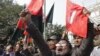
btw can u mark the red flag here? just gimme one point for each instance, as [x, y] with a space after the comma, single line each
[29, 40]
[20, 23]
[25, 32]
[79, 24]
[35, 6]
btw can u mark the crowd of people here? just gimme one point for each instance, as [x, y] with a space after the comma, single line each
[53, 46]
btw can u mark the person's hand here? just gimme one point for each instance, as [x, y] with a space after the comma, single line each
[28, 18]
[63, 34]
[23, 13]
[86, 12]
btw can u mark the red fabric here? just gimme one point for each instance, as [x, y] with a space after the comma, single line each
[25, 27]
[35, 6]
[29, 40]
[79, 24]
[20, 23]
[25, 32]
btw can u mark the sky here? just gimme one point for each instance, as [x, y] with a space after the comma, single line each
[60, 8]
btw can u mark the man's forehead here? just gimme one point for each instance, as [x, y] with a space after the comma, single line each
[62, 41]
[75, 37]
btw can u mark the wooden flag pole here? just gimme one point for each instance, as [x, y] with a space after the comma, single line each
[44, 20]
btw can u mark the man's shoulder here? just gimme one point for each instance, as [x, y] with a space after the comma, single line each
[96, 48]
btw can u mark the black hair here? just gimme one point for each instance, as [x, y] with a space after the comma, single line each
[1, 46]
[68, 43]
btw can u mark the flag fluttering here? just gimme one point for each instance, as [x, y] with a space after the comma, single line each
[35, 6]
[35, 9]
[76, 21]
[50, 15]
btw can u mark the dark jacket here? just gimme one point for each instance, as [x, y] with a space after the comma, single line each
[87, 44]
[18, 53]
[38, 38]
[84, 50]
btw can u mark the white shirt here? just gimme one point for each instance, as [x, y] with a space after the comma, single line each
[95, 52]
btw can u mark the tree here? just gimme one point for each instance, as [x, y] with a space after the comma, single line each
[54, 30]
[8, 17]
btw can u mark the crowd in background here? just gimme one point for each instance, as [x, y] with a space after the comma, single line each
[54, 45]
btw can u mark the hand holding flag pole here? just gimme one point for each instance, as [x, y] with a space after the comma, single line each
[80, 19]
[63, 35]
[44, 20]
[19, 28]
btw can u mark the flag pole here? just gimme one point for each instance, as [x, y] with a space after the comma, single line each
[44, 20]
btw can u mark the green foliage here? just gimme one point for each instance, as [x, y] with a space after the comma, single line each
[8, 16]
[54, 30]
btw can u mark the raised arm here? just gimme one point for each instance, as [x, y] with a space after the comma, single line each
[87, 44]
[38, 38]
